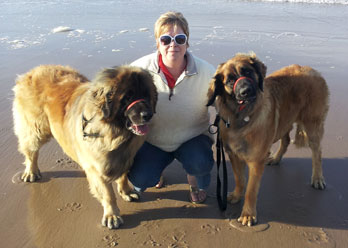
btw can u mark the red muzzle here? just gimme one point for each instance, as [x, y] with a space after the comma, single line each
[239, 79]
[133, 103]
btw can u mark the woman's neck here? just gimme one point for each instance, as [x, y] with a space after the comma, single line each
[175, 67]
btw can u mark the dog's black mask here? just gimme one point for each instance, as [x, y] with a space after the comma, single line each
[241, 78]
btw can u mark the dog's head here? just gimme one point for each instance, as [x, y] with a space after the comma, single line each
[125, 96]
[240, 78]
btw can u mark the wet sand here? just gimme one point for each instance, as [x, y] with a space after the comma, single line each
[59, 211]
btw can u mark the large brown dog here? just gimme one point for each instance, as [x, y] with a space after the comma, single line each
[99, 124]
[256, 112]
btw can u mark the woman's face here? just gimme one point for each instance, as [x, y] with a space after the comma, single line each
[172, 52]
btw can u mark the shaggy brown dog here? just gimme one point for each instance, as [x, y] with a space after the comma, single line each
[256, 112]
[99, 124]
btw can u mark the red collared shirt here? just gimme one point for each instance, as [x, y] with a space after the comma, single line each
[167, 74]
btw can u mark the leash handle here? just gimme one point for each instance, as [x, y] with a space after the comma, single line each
[215, 124]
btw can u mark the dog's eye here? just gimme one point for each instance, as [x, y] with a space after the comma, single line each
[246, 71]
[129, 94]
[230, 79]
[109, 96]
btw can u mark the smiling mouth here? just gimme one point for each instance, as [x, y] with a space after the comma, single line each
[140, 130]
[246, 101]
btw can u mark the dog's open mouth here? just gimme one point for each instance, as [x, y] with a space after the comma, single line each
[246, 101]
[139, 129]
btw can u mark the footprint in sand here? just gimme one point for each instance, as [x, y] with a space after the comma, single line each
[173, 240]
[70, 207]
[16, 179]
[111, 240]
[177, 239]
[210, 229]
[151, 241]
[66, 163]
[318, 238]
[313, 237]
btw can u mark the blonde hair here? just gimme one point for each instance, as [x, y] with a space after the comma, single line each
[168, 20]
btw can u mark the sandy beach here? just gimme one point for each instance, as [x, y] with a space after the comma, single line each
[59, 211]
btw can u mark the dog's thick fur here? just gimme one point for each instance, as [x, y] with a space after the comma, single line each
[259, 111]
[89, 120]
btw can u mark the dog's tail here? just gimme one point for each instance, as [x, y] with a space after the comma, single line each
[301, 138]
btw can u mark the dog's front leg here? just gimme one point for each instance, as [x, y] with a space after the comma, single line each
[248, 216]
[104, 192]
[238, 167]
[124, 190]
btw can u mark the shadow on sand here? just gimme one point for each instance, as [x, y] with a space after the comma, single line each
[286, 196]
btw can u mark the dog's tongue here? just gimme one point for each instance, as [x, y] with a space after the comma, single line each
[140, 129]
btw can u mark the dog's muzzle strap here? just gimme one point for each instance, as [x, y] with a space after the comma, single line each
[133, 103]
[238, 80]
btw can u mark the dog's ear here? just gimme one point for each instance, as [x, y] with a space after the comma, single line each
[108, 105]
[216, 88]
[136, 78]
[260, 68]
[145, 80]
[154, 100]
[103, 93]
[147, 77]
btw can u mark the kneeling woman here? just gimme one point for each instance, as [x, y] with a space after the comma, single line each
[180, 126]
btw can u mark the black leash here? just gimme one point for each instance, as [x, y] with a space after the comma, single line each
[222, 199]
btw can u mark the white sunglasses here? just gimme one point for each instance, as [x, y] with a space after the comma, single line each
[179, 39]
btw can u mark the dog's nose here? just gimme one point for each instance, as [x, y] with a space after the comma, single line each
[246, 92]
[146, 115]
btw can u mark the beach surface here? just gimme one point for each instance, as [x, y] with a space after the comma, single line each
[59, 211]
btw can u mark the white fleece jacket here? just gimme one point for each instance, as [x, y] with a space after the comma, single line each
[185, 115]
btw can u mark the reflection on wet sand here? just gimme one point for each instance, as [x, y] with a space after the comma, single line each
[57, 207]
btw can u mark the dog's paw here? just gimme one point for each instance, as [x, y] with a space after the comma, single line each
[247, 220]
[318, 183]
[272, 161]
[234, 198]
[31, 176]
[112, 221]
[131, 196]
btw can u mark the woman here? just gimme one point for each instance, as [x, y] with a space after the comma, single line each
[179, 127]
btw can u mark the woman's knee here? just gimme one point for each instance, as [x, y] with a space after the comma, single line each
[142, 181]
[196, 155]
[199, 167]
[148, 166]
